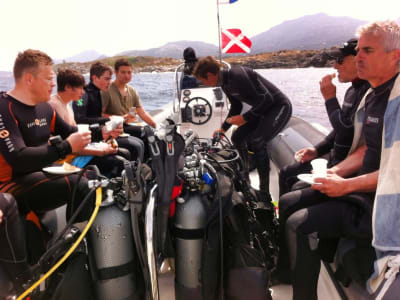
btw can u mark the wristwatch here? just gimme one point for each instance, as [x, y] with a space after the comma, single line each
[57, 142]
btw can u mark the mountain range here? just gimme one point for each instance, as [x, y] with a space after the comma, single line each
[310, 32]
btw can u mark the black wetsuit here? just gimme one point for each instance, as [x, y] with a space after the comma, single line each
[24, 151]
[270, 112]
[89, 111]
[338, 142]
[330, 218]
[13, 259]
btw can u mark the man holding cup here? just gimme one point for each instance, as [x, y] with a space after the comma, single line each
[121, 99]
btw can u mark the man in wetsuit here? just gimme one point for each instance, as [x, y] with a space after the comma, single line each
[346, 203]
[89, 109]
[338, 142]
[270, 110]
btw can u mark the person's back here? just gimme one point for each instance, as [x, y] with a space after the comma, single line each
[269, 113]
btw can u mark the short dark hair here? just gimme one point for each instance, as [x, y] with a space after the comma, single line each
[30, 60]
[69, 77]
[98, 69]
[206, 65]
[121, 62]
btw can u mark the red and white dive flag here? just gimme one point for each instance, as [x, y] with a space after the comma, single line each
[233, 41]
[226, 1]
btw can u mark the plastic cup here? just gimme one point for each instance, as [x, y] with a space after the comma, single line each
[132, 111]
[83, 127]
[319, 166]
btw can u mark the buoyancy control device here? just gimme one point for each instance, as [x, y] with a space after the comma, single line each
[223, 229]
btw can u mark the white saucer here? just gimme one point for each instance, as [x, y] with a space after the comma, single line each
[60, 170]
[97, 146]
[137, 124]
[307, 178]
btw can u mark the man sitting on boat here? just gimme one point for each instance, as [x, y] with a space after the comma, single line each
[346, 203]
[70, 85]
[337, 143]
[270, 110]
[122, 99]
[89, 109]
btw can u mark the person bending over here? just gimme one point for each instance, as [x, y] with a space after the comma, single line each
[270, 110]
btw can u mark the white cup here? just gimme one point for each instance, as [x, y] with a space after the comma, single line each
[83, 127]
[319, 166]
[132, 111]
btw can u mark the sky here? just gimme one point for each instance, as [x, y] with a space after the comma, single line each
[65, 28]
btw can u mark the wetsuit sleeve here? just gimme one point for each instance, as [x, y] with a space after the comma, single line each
[81, 112]
[236, 108]
[326, 144]
[62, 128]
[20, 157]
[339, 121]
[261, 95]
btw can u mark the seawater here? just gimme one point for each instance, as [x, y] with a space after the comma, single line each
[300, 85]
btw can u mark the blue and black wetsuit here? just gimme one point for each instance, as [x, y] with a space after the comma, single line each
[347, 216]
[24, 150]
[270, 112]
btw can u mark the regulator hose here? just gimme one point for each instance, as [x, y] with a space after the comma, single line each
[73, 247]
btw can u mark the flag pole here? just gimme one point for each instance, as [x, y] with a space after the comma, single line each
[219, 33]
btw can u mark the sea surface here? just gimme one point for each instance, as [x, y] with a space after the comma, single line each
[300, 85]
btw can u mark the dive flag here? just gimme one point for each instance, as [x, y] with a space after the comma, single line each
[226, 1]
[233, 41]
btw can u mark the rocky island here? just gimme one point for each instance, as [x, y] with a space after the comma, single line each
[279, 59]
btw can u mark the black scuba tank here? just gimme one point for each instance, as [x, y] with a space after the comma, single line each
[112, 254]
[190, 225]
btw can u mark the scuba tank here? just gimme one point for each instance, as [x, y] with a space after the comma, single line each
[112, 254]
[190, 225]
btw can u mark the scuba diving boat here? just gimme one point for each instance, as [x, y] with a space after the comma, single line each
[214, 238]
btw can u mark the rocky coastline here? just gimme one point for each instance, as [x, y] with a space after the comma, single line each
[280, 59]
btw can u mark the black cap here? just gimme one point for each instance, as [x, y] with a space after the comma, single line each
[348, 48]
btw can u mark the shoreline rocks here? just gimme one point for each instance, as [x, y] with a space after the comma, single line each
[280, 59]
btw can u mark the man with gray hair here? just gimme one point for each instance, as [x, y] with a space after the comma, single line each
[378, 61]
[347, 204]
